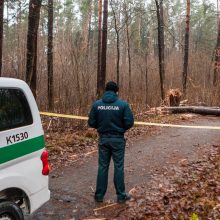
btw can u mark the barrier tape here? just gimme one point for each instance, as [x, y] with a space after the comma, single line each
[64, 116]
[136, 122]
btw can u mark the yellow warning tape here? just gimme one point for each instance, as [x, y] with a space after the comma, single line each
[64, 116]
[136, 122]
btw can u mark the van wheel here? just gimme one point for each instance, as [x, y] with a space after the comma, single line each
[10, 211]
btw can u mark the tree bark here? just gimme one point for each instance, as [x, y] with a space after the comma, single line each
[1, 32]
[160, 21]
[33, 24]
[186, 49]
[146, 79]
[217, 58]
[118, 46]
[129, 56]
[128, 47]
[98, 92]
[195, 109]
[50, 55]
[104, 46]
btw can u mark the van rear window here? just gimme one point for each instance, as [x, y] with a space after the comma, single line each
[14, 109]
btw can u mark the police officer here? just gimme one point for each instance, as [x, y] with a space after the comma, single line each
[111, 117]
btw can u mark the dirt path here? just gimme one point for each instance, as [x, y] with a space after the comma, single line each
[72, 187]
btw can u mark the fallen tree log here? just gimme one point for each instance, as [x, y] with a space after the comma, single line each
[194, 109]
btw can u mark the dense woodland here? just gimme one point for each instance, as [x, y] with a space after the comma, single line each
[63, 48]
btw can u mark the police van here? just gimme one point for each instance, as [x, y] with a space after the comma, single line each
[24, 164]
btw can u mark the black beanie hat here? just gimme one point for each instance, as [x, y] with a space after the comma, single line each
[111, 86]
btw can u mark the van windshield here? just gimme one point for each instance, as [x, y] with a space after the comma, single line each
[14, 109]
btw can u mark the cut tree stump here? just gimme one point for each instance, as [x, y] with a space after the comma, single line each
[194, 109]
[174, 97]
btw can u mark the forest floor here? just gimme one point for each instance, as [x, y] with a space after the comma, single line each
[171, 173]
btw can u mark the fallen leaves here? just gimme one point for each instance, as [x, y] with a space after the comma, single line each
[186, 190]
[178, 191]
[68, 144]
[192, 192]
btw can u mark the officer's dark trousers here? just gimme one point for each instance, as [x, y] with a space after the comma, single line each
[115, 148]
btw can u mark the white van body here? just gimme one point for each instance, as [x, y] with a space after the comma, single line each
[20, 155]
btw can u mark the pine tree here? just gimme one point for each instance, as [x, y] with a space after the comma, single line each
[33, 24]
[50, 55]
[186, 49]
[99, 50]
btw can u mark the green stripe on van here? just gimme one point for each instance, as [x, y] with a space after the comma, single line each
[21, 149]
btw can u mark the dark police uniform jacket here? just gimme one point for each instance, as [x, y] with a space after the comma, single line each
[110, 115]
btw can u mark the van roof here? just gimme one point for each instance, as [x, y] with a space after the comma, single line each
[12, 82]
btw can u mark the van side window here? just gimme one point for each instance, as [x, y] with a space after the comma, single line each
[14, 109]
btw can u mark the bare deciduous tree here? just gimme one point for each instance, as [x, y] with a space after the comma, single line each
[86, 25]
[75, 51]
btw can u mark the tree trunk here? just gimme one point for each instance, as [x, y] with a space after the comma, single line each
[89, 34]
[74, 58]
[33, 83]
[162, 39]
[1, 32]
[186, 50]
[50, 55]
[217, 58]
[118, 58]
[118, 45]
[19, 70]
[104, 46]
[146, 79]
[33, 24]
[160, 21]
[98, 92]
[86, 26]
[194, 109]
[128, 47]
[129, 56]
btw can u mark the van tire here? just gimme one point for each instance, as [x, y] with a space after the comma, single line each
[10, 210]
